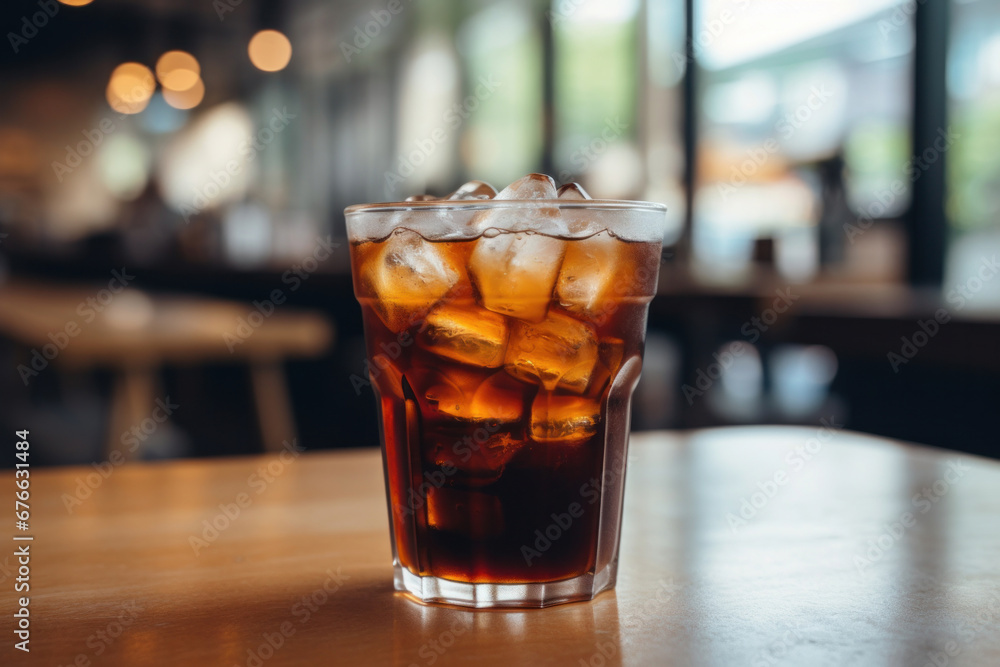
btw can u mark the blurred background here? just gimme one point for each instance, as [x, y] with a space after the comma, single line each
[174, 275]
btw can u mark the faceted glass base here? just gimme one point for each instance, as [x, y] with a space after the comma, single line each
[496, 596]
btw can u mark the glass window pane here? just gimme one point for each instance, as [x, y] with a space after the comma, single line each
[501, 47]
[804, 124]
[617, 99]
[973, 204]
[595, 93]
[661, 109]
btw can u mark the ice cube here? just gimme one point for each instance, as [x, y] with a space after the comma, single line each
[591, 269]
[474, 514]
[474, 190]
[557, 352]
[385, 377]
[564, 419]
[441, 394]
[579, 221]
[450, 392]
[499, 398]
[610, 351]
[609, 360]
[515, 273]
[469, 422]
[406, 277]
[532, 186]
[467, 334]
[572, 191]
[479, 457]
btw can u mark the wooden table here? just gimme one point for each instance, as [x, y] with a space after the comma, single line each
[136, 334]
[814, 577]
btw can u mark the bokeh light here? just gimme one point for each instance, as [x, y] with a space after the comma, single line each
[196, 169]
[124, 163]
[185, 99]
[130, 87]
[178, 70]
[270, 50]
[76, 3]
[161, 118]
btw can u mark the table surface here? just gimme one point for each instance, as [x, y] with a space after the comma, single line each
[864, 552]
[98, 326]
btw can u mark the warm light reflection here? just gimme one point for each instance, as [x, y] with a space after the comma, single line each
[185, 99]
[76, 3]
[130, 87]
[124, 106]
[270, 50]
[131, 310]
[178, 70]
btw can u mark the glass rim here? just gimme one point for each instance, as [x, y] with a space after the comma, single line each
[485, 204]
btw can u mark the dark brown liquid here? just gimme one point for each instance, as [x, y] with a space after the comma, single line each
[506, 467]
